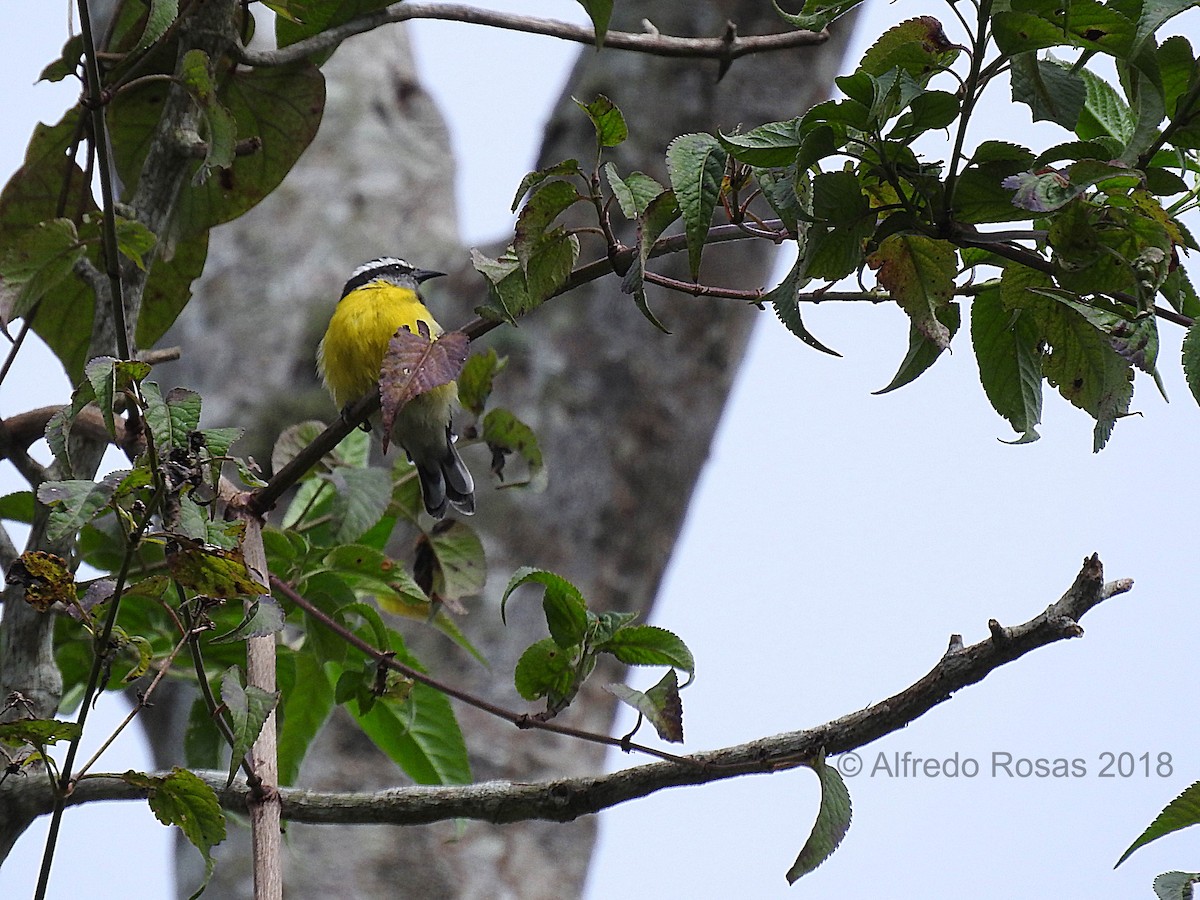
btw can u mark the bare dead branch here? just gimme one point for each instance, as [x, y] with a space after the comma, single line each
[566, 799]
[728, 47]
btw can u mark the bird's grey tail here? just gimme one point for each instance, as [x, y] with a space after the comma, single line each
[447, 483]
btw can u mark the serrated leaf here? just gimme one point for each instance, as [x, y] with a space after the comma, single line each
[36, 261]
[68, 63]
[833, 821]
[248, 707]
[815, 14]
[923, 352]
[545, 670]
[1176, 885]
[183, 799]
[1010, 363]
[1191, 360]
[533, 179]
[919, 274]
[547, 202]
[772, 145]
[415, 365]
[361, 499]
[654, 220]
[660, 705]
[476, 379]
[265, 616]
[634, 192]
[917, 47]
[610, 126]
[1105, 112]
[696, 164]
[784, 298]
[563, 604]
[1051, 90]
[75, 503]
[159, 18]
[1181, 812]
[649, 645]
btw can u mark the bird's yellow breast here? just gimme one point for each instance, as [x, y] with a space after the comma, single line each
[352, 351]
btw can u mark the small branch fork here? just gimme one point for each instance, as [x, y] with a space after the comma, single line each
[566, 799]
[728, 47]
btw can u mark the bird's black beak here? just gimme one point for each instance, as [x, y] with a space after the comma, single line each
[426, 274]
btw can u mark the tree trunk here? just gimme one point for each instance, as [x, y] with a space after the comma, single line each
[625, 414]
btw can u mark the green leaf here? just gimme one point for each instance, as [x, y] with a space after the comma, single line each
[476, 379]
[545, 670]
[634, 193]
[31, 196]
[610, 126]
[202, 741]
[169, 288]
[361, 499]
[1081, 363]
[1191, 360]
[922, 352]
[547, 202]
[307, 703]
[1105, 113]
[533, 179]
[18, 507]
[649, 645]
[1176, 885]
[300, 19]
[599, 11]
[425, 742]
[507, 292]
[658, 215]
[838, 198]
[815, 14]
[1050, 89]
[460, 563]
[564, 606]
[1010, 363]
[275, 111]
[917, 47]
[919, 274]
[772, 145]
[504, 433]
[211, 571]
[162, 13]
[1181, 812]
[660, 705]
[789, 193]
[68, 63]
[833, 821]
[265, 616]
[248, 708]
[785, 300]
[38, 732]
[75, 503]
[696, 164]
[183, 799]
[38, 260]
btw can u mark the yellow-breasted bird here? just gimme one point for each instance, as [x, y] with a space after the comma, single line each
[381, 297]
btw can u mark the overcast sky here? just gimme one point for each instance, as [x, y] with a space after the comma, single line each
[883, 525]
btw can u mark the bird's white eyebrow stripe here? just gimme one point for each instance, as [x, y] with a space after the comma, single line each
[368, 272]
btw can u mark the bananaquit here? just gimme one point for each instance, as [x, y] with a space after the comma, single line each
[380, 298]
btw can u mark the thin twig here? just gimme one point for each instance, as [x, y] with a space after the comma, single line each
[520, 720]
[725, 48]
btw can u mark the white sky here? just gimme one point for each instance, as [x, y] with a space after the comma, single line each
[883, 525]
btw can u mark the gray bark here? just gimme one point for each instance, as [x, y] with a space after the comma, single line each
[625, 414]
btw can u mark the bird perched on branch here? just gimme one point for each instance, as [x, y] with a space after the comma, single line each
[380, 300]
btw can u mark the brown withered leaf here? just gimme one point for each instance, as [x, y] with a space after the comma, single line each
[415, 365]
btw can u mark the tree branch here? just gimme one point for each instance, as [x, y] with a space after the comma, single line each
[726, 48]
[566, 799]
